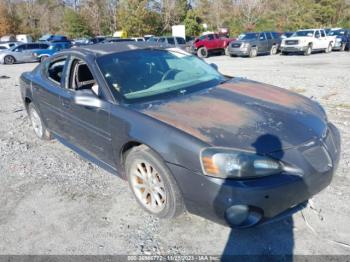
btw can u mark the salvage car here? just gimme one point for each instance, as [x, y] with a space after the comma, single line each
[307, 41]
[183, 135]
[253, 44]
[21, 53]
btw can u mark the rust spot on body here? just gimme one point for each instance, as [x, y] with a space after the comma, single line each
[203, 113]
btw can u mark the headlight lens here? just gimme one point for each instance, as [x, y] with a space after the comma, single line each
[227, 163]
[245, 45]
[338, 39]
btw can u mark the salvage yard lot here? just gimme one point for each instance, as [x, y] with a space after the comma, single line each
[53, 202]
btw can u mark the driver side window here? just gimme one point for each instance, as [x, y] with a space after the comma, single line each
[80, 77]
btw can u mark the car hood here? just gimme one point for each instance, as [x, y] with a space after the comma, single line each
[245, 115]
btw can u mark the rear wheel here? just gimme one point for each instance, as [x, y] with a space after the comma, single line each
[37, 123]
[253, 52]
[152, 184]
[9, 60]
[329, 48]
[273, 50]
[202, 52]
[342, 47]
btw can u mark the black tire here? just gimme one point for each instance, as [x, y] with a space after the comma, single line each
[308, 51]
[202, 52]
[273, 50]
[227, 52]
[342, 47]
[329, 48]
[9, 60]
[40, 130]
[43, 58]
[173, 205]
[253, 52]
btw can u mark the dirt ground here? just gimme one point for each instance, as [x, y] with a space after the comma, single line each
[54, 202]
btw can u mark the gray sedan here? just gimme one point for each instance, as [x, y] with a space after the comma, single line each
[21, 53]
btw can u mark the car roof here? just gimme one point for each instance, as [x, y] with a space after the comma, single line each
[110, 48]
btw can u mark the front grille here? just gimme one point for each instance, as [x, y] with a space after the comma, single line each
[236, 45]
[292, 42]
[318, 158]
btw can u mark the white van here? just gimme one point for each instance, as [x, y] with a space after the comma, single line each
[24, 38]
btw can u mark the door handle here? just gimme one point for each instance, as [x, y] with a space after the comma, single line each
[65, 102]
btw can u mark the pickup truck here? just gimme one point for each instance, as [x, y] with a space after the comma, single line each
[342, 39]
[206, 44]
[307, 41]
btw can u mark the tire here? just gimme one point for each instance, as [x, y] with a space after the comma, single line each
[253, 52]
[343, 47]
[37, 123]
[43, 58]
[227, 52]
[202, 52]
[273, 50]
[144, 167]
[329, 48]
[284, 53]
[308, 51]
[9, 60]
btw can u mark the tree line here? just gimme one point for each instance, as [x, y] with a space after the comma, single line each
[81, 18]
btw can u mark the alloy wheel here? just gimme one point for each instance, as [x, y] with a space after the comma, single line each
[148, 186]
[36, 122]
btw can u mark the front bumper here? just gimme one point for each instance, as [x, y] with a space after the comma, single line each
[267, 198]
[337, 45]
[293, 49]
[238, 51]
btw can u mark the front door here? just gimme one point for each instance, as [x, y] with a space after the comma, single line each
[86, 127]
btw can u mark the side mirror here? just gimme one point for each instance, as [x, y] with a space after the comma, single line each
[87, 99]
[215, 66]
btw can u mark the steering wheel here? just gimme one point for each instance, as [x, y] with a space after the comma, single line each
[167, 73]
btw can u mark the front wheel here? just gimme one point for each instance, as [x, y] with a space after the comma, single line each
[152, 184]
[9, 60]
[253, 52]
[343, 46]
[202, 52]
[227, 52]
[37, 123]
[308, 51]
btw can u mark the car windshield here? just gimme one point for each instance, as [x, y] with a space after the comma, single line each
[145, 74]
[304, 33]
[336, 32]
[250, 36]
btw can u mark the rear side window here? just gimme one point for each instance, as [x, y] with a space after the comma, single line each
[323, 33]
[43, 46]
[55, 70]
[161, 40]
[268, 35]
[180, 41]
[275, 35]
[211, 37]
[171, 41]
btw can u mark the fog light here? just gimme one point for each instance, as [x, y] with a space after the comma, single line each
[242, 216]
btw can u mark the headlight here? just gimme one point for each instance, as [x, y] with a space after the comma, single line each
[35, 54]
[338, 39]
[227, 163]
[245, 45]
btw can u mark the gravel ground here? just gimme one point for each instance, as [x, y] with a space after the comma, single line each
[53, 202]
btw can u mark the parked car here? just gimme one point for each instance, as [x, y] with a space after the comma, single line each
[307, 41]
[8, 45]
[287, 35]
[172, 40]
[182, 134]
[253, 44]
[24, 38]
[117, 40]
[21, 53]
[43, 54]
[209, 43]
[53, 38]
[342, 39]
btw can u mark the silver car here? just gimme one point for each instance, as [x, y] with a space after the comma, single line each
[21, 53]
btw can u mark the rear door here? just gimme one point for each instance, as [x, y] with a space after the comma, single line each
[324, 39]
[318, 42]
[262, 43]
[269, 40]
[47, 90]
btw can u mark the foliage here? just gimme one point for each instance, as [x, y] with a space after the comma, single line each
[193, 23]
[75, 25]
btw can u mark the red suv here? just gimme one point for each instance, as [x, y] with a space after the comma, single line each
[205, 44]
